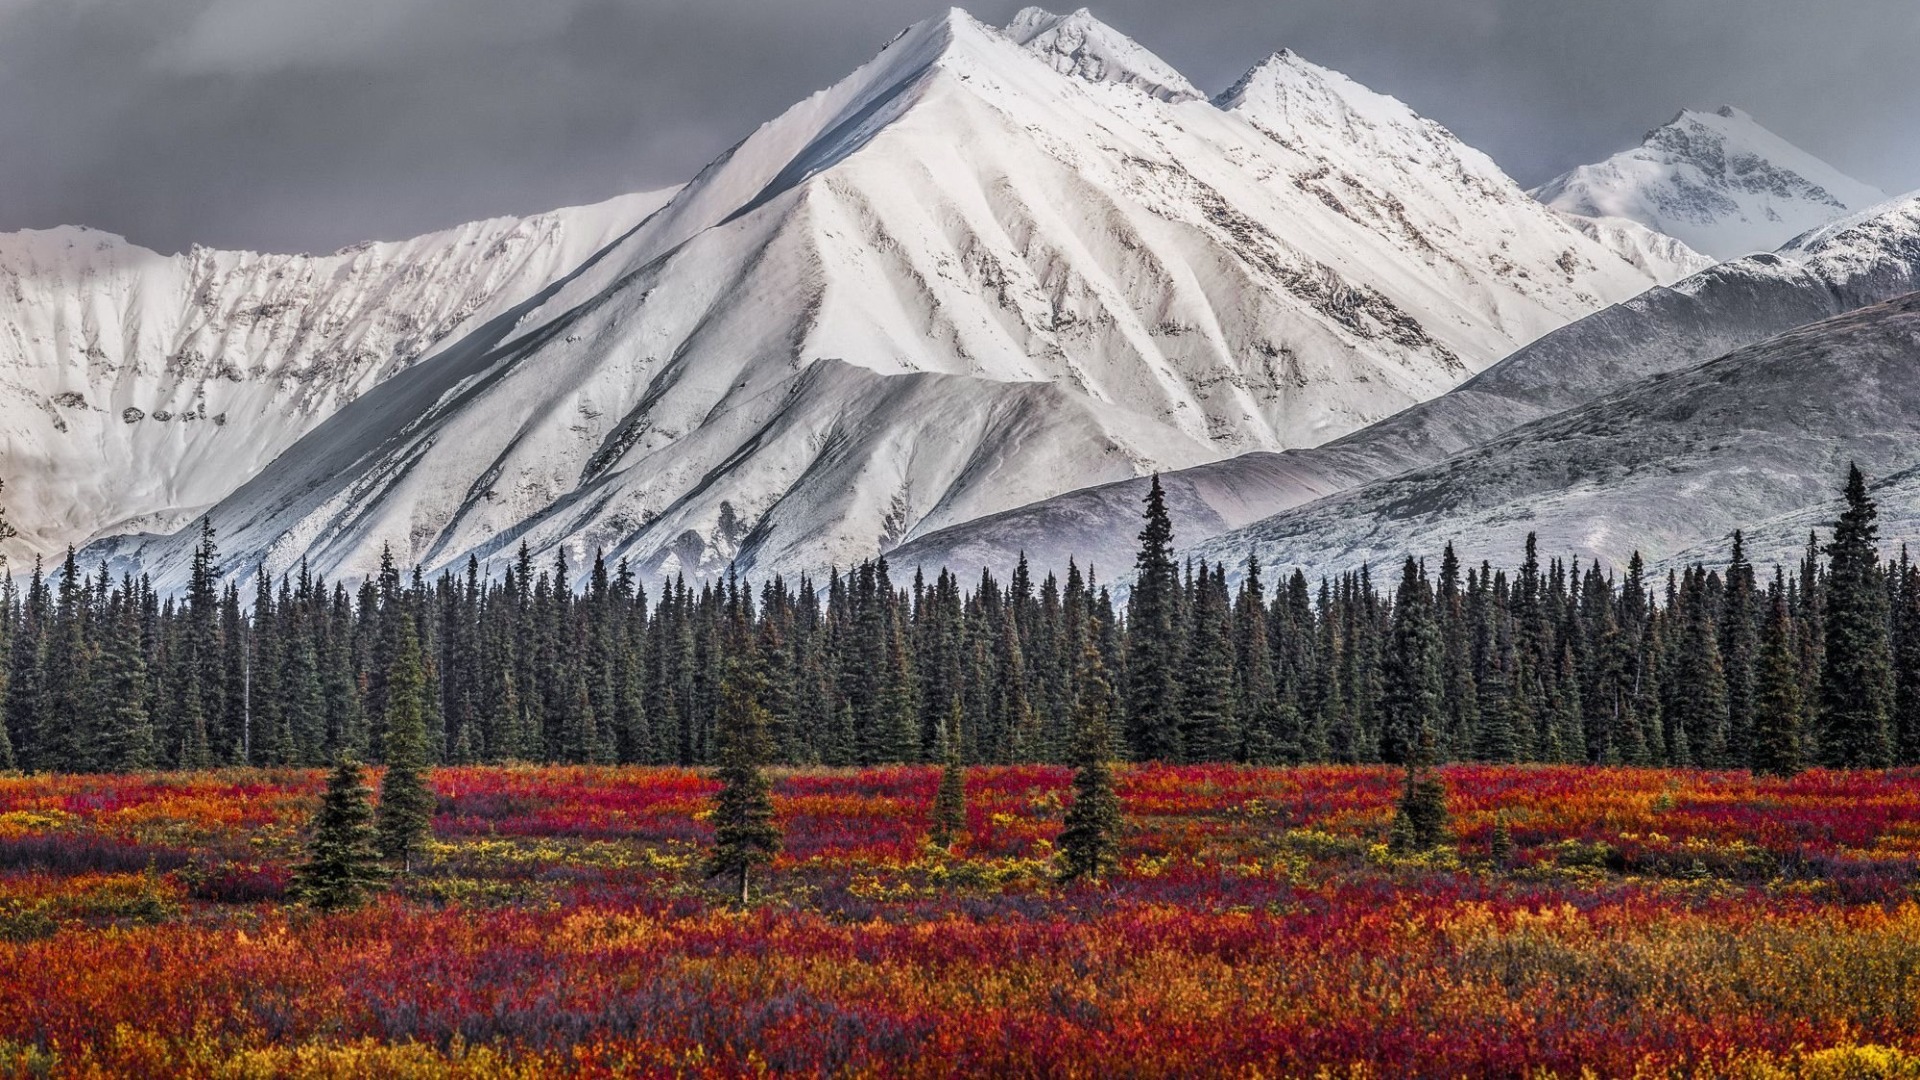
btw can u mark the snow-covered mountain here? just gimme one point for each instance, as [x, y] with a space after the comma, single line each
[1718, 181]
[137, 389]
[1670, 466]
[987, 267]
[1853, 263]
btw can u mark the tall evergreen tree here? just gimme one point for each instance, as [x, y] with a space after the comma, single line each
[1153, 686]
[1905, 624]
[1090, 842]
[304, 703]
[1267, 726]
[1778, 710]
[68, 737]
[405, 818]
[123, 728]
[1206, 724]
[1856, 687]
[745, 832]
[1739, 612]
[197, 675]
[1413, 690]
[27, 665]
[1504, 714]
[1696, 681]
[1459, 671]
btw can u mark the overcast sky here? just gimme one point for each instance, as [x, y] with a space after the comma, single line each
[311, 124]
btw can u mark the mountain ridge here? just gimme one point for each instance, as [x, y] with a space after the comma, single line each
[1187, 285]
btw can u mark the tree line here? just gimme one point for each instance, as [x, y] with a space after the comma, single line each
[1550, 662]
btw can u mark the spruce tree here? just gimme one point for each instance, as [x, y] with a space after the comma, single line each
[1504, 714]
[1153, 685]
[1564, 736]
[197, 669]
[745, 833]
[1090, 842]
[1856, 686]
[1206, 723]
[1697, 708]
[1809, 609]
[346, 732]
[1777, 708]
[264, 733]
[1413, 690]
[343, 861]
[67, 738]
[124, 731]
[405, 819]
[1267, 720]
[305, 703]
[1641, 742]
[1459, 673]
[1500, 846]
[950, 800]
[1420, 820]
[1906, 661]
[1737, 632]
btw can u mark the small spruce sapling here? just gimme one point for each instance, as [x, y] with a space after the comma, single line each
[1500, 847]
[950, 800]
[1420, 824]
[343, 863]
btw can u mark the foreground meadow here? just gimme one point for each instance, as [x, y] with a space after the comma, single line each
[1622, 922]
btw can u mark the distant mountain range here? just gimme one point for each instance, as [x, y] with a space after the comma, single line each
[1389, 489]
[950, 309]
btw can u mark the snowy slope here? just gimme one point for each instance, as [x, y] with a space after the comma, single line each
[136, 388]
[1674, 463]
[1782, 539]
[960, 280]
[1718, 181]
[1654, 252]
[1854, 263]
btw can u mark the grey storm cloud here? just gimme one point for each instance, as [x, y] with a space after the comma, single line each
[310, 124]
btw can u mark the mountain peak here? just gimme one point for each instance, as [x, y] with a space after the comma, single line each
[1080, 44]
[1720, 181]
[1322, 112]
[1279, 65]
[1290, 83]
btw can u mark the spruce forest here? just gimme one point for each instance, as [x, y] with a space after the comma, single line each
[1711, 666]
